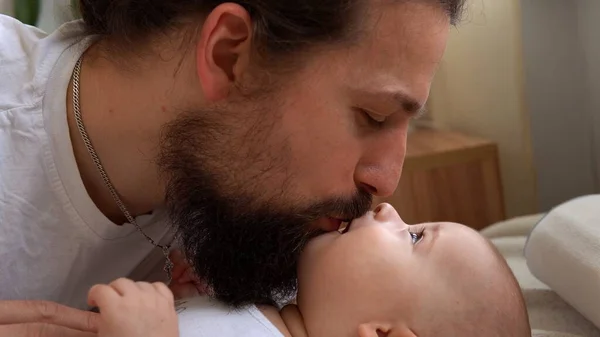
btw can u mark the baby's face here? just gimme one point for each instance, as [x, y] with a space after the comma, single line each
[383, 270]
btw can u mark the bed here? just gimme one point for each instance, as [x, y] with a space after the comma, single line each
[550, 313]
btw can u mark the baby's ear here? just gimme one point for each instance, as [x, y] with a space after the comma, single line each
[375, 329]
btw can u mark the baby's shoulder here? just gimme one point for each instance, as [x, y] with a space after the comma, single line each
[205, 317]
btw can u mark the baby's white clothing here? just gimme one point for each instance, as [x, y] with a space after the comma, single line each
[203, 317]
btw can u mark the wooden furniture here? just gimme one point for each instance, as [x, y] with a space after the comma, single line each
[449, 176]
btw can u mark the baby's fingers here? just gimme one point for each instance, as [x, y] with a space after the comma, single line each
[188, 276]
[124, 286]
[101, 295]
[187, 290]
[164, 291]
[180, 264]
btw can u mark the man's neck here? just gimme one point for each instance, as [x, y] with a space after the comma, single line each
[123, 114]
[288, 321]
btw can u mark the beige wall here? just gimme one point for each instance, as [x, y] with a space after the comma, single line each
[479, 90]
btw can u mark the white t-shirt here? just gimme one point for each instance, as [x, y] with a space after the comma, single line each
[202, 317]
[54, 242]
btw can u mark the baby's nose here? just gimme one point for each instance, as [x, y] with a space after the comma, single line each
[386, 212]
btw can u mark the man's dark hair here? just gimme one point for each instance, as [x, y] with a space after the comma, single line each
[281, 26]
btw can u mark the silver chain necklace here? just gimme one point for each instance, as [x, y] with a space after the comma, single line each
[88, 144]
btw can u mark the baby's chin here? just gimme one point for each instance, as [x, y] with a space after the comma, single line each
[315, 251]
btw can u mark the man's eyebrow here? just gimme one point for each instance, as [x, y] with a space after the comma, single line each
[396, 97]
[408, 104]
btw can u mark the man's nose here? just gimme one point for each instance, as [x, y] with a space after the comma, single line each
[380, 168]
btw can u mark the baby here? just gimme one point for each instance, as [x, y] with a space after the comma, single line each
[376, 277]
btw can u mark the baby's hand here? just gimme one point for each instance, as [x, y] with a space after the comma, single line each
[134, 309]
[184, 283]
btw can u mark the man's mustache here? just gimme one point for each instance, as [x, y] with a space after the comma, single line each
[344, 208]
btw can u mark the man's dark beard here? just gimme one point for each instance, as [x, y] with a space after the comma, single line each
[245, 251]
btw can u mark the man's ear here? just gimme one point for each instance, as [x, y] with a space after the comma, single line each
[375, 329]
[223, 51]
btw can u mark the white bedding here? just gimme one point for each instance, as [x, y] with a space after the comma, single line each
[563, 251]
[549, 314]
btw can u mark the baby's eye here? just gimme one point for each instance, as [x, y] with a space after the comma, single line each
[416, 237]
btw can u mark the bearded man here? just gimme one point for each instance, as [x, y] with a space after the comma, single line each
[233, 130]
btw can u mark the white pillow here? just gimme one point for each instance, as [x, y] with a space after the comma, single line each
[563, 251]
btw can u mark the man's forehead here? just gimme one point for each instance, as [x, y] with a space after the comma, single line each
[399, 58]
[404, 26]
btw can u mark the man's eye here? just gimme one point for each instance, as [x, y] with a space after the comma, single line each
[372, 119]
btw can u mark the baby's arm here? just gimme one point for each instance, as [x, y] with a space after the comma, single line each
[134, 309]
